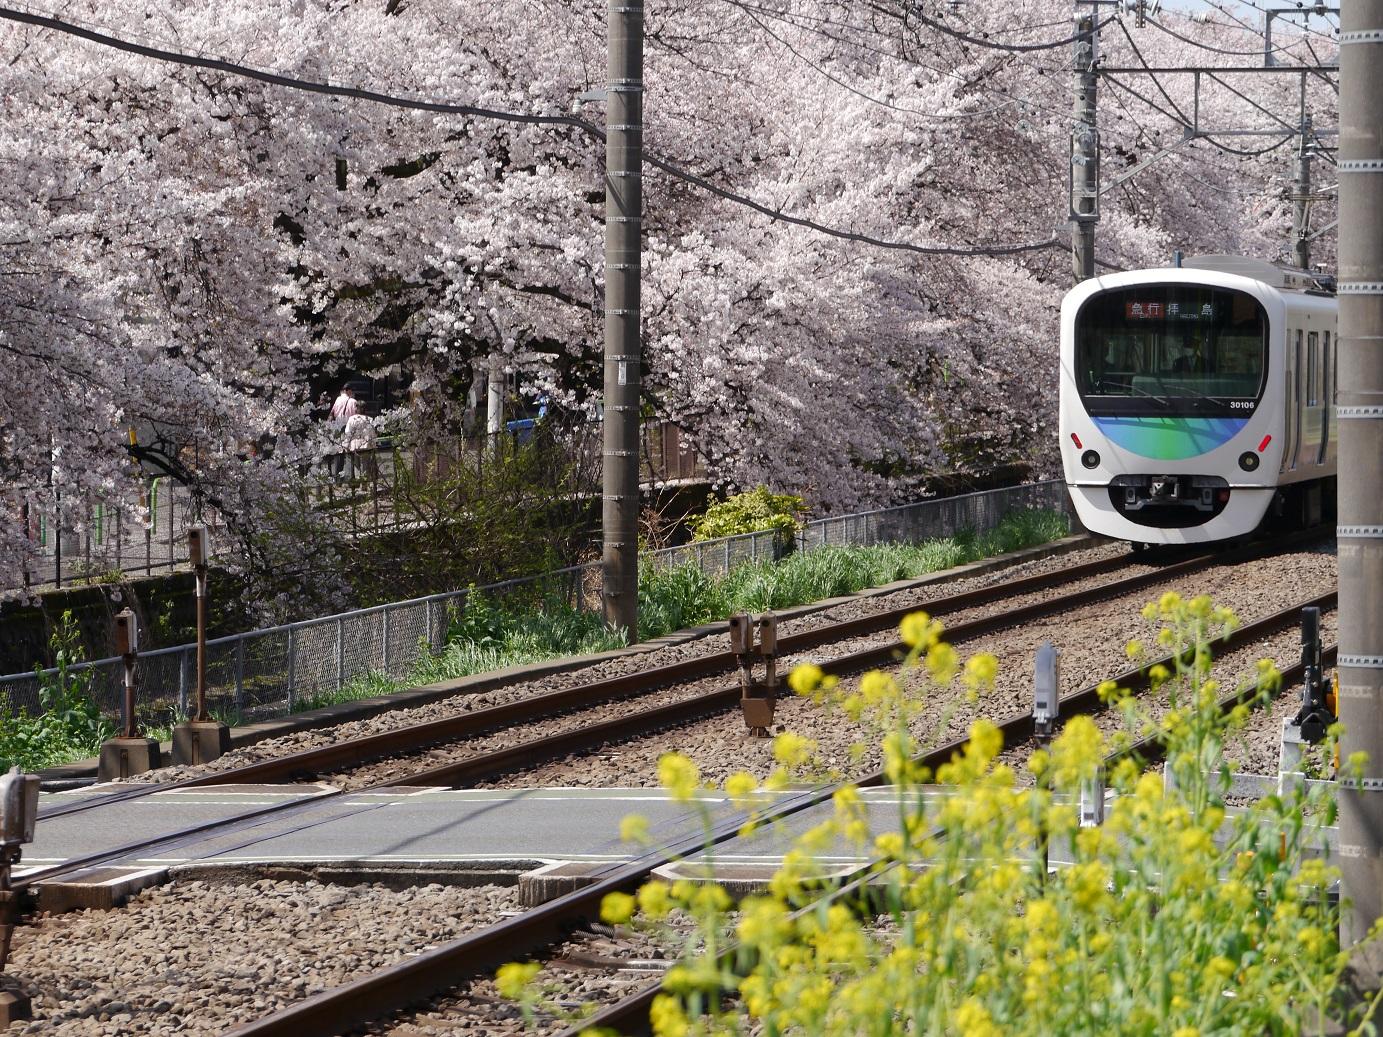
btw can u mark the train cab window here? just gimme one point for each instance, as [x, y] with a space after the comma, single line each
[1171, 349]
[1312, 356]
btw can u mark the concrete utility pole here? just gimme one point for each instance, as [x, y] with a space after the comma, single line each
[494, 397]
[1301, 200]
[1085, 153]
[623, 352]
[1361, 457]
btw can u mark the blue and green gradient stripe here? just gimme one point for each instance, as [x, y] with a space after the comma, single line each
[1169, 439]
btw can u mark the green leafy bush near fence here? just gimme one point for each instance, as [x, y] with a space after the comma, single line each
[69, 726]
[752, 512]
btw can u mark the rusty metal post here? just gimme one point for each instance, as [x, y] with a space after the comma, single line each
[127, 647]
[18, 816]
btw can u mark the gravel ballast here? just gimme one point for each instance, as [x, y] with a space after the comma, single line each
[194, 957]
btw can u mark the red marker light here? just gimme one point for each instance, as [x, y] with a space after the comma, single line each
[1264, 445]
[1076, 440]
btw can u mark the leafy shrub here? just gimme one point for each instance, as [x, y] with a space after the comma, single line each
[750, 512]
[70, 726]
[1173, 917]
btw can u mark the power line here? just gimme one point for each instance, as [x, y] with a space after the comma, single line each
[1206, 46]
[1013, 48]
[475, 111]
[749, 13]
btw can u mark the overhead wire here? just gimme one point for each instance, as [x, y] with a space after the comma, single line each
[1015, 48]
[749, 13]
[481, 112]
[1060, 113]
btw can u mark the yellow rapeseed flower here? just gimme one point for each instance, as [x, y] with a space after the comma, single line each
[679, 775]
[633, 828]
[667, 1017]
[655, 898]
[740, 787]
[805, 678]
[974, 1020]
[918, 631]
[942, 662]
[980, 671]
[617, 908]
[511, 979]
[793, 750]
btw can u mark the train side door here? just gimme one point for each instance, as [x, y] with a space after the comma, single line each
[1327, 396]
[1291, 402]
[1311, 405]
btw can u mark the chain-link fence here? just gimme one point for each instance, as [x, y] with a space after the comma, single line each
[271, 672]
[908, 523]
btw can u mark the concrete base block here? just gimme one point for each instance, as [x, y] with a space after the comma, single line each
[554, 880]
[200, 741]
[126, 757]
[96, 889]
[14, 1008]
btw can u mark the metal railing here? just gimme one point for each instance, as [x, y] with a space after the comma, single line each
[90, 540]
[273, 671]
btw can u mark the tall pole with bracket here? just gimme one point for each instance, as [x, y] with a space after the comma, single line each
[1085, 153]
[623, 352]
[1360, 533]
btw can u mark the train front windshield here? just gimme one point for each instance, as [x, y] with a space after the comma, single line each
[1171, 349]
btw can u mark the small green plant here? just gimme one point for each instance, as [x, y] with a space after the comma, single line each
[751, 512]
[69, 726]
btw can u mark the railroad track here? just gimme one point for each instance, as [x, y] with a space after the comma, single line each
[483, 766]
[441, 968]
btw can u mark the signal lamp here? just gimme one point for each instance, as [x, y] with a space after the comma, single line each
[1248, 461]
[1091, 459]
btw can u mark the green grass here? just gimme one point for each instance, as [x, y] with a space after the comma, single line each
[491, 635]
[671, 599]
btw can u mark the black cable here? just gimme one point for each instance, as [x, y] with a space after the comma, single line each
[447, 108]
[1205, 46]
[1014, 48]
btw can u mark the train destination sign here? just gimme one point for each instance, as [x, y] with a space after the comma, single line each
[1151, 310]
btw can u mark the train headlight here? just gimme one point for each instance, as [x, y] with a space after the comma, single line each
[1248, 461]
[1091, 459]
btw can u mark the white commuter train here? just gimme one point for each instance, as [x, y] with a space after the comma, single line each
[1198, 401]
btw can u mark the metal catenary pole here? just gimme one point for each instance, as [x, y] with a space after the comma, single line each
[1361, 446]
[1085, 152]
[1301, 200]
[623, 212]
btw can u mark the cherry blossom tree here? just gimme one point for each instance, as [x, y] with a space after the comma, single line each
[193, 254]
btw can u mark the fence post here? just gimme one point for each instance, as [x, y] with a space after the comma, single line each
[182, 684]
[340, 654]
[384, 636]
[292, 666]
[239, 659]
[726, 567]
[427, 618]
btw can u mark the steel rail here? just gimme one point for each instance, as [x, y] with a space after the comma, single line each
[372, 996]
[485, 766]
[421, 736]
[488, 765]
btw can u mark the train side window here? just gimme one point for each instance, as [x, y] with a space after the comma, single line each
[1312, 356]
[1330, 377]
[1328, 391]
